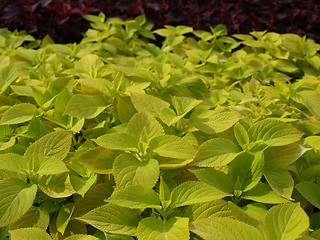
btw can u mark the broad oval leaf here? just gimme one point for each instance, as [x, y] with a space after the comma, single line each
[19, 113]
[99, 160]
[313, 141]
[34, 217]
[311, 100]
[176, 228]
[188, 193]
[55, 144]
[217, 208]
[51, 166]
[263, 193]
[215, 152]
[56, 186]
[286, 221]
[214, 121]
[215, 178]
[172, 146]
[310, 191]
[141, 120]
[129, 171]
[85, 106]
[274, 132]
[112, 218]
[29, 234]
[149, 103]
[279, 179]
[13, 162]
[95, 197]
[118, 141]
[217, 228]
[183, 105]
[285, 155]
[247, 168]
[16, 198]
[136, 197]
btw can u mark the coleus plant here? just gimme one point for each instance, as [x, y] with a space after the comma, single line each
[204, 137]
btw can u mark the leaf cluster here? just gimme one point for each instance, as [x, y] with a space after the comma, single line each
[117, 138]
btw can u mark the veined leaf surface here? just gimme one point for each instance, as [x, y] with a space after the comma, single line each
[175, 228]
[19, 113]
[172, 146]
[112, 218]
[16, 198]
[286, 221]
[118, 141]
[217, 228]
[215, 152]
[29, 234]
[129, 171]
[274, 132]
[85, 106]
[214, 121]
[188, 193]
[136, 197]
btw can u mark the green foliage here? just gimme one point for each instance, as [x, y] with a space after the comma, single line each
[213, 137]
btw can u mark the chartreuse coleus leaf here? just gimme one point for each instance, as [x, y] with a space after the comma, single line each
[13, 162]
[216, 152]
[64, 217]
[175, 228]
[149, 103]
[46, 154]
[286, 221]
[56, 186]
[118, 141]
[285, 155]
[125, 109]
[16, 198]
[164, 193]
[89, 64]
[29, 234]
[142, 120]
[182, 106]
[8, 75]
[188, 193]
[215, 178]
[310, 191]
[263, 193]
[112, 218]
[239, 214]
[279, 179]
[129, 171]
[34, 217]
[216, 208]
[241, 134]
[95, 197]
[19, 113]
[214, 121]
[313, 141]
[311, 100]
[172, 146]
[246, 170]
[82, 184]
[85, 106]
[216, 228]
[274, 132]
[135, 197]
[99, 160]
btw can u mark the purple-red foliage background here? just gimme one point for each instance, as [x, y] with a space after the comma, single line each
[62, 20]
